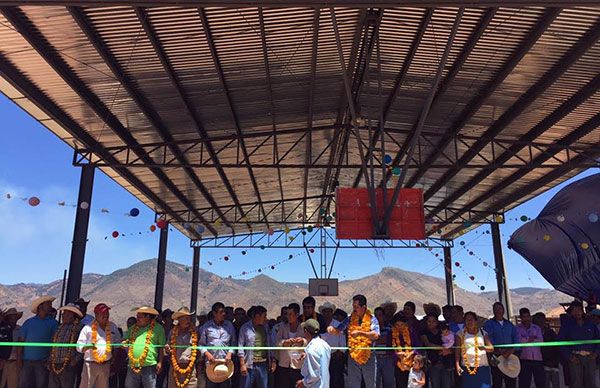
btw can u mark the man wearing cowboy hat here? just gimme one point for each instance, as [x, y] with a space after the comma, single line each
[218, 332]
[10, 372]
[32, 360]
[82, 304]
[97, 355]
[184, 337]
[338, 356]
[146, 341]
[64, 361]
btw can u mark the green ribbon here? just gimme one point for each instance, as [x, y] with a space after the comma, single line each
[520, 345]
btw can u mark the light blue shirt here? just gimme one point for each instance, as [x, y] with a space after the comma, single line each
[36, 329]
[315, 369]
[211, 334]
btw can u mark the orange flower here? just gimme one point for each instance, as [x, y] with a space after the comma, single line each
[472, 371]
[142, 358]
[406, 360]
[360, 345]
[100, 359]
[177, 370]
[54, 350]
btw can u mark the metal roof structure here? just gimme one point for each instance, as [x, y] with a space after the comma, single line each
[243, 118]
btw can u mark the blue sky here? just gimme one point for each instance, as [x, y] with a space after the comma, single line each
[35, 242]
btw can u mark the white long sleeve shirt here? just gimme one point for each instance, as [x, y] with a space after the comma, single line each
[315, 369]
[85, 339]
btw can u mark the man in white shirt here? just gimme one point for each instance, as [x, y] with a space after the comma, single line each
[97, 355]
[315, 370]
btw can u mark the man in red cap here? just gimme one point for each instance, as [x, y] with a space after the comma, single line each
[95, 342]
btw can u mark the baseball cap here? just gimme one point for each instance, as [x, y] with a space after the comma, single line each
[312, 326]
[101, 308]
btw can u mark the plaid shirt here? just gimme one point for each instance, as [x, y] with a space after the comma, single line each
[63, 335]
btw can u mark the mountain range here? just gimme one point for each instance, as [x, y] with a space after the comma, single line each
[133, 286]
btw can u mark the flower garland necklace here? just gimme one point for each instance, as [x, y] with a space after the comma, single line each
[54, 350]
[100, 359]
[472, 371]
[177, 370]
[360, 345]
[405, 361]
[142, 358]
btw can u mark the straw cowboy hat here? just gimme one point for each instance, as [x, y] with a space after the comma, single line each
[432, 306]
[182, 312]
[12, 311]
[146, 310]
[72, 307]
[42, 299]
[510, 366]
[394, 305]
[219, 371]
[325, 306]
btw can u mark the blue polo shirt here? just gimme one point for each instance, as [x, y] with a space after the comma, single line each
[501, 333]
[36, 329]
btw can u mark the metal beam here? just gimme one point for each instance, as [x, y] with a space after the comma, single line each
[419, 125]
[523, 102]
[23, 25]
[49, 107]
[161, 265]
[502, 282]
[80, 231]
[487, 90]
[195, 278]
[448, 276]
[307, 3]
[236, 122]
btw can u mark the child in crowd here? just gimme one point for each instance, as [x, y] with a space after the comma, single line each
[416, 377]
[447, 336]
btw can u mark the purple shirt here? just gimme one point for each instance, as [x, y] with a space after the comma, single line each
[532, 353]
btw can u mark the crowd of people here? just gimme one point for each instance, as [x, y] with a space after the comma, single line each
[304, 346]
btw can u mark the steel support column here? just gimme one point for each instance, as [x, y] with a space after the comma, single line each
[448, 272]
[82, 218]
[195, 276]
[503, 290]
[160, 268]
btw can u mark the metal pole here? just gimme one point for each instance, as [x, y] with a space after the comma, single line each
[82, 219]
[160, 268]
[195, 275]
[449, 279]
[62, 290]
[503, 290]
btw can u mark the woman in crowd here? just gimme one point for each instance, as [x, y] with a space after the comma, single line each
[471, 361]
[441, 361]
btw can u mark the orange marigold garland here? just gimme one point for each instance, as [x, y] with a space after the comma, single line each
[139, 361]
[100, 359]
[54, 350]
[177, 370]
[359, 345]
[405, 361]
[472, 371]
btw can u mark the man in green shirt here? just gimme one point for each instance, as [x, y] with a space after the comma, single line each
[146, 340]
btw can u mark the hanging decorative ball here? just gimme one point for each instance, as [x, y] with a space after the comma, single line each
[218, 223]
[499, 219]
[226, 258]
[300, 216]
[560, 218]
[244, 253]
[471, 253]
[200, 229]
[524, 218]
[272, 267]
[462, 243]
[311, 250]
[84, 205]
[322, 211]
[584, 245]
[482, 288]
[287, 230]
[457, 264]
[187, 225]
[593, 217]
[546, 237]
[290, 256]
[244, 273]
[291, 238]
[152, 228]
[8, 196]
[396, 171]
[437, 255]
[467, 224]
[134, 212]
[161, 223]
[187, 269]
[259, 270]
[387, 159]
[309, 229]
[485, 264]
[34, 201]
[304, 232]
[270, 232]
[262, 247]
[454, 276]
[115, 234]
[229, 277]
[472, 278]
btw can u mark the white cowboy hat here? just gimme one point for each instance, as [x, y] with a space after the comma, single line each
[42, 299]
[510, 366]
[219, 371]
[182, 312]
[325, 306]
[72, 307]
[146, 310]
[390, 303]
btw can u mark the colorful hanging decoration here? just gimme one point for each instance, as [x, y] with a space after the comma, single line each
[134, 212]
[33, 201]
[152, 228]
[387, 159]
[115, 234]
[161, 224]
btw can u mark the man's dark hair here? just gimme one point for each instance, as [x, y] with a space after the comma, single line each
[361, 299]
[251, 311]
[411, 305]
[340, 314]
[310, 301]
[295, 307]
[378, 309]
[458, 308]
[447, 307]
[258, 310]
[524, 310]
[399, 317]
[496, 304]
[444, 326]
[239, 310]
[471, 313]
[217, 306]
[283, 309]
